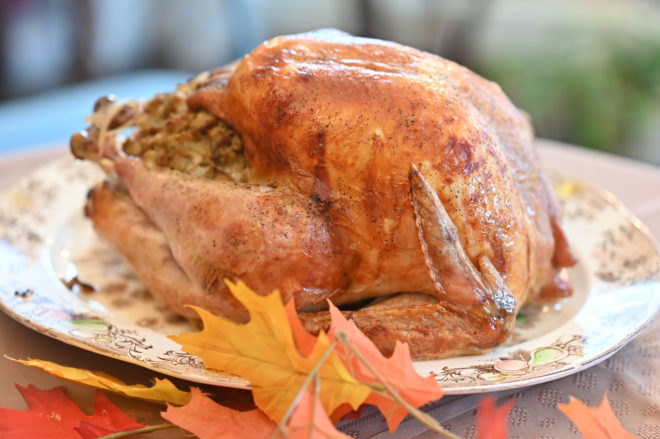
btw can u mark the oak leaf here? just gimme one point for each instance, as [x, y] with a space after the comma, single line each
[309, 420]
[264, 352]
[52, 415]
[594, 423]
[493, 421]
[209, 420]
[163, 390]
[397, 371]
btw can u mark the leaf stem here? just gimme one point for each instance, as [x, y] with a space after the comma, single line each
[422, 417]
[317, 390]
[281, 427]
[146, 429]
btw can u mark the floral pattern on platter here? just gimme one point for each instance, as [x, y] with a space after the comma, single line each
[100, 306]
[24, 213]
[520, 362]
[624, 255]
[129, 343]
[579, 202]
[625, 267]
[178, 358]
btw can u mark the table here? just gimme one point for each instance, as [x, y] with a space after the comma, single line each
[631, 377]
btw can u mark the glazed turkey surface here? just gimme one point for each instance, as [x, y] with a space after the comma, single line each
[341, 168]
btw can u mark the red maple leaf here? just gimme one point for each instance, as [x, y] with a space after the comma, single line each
[492, 421]
[52, 415]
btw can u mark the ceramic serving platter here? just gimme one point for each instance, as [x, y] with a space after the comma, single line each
[59, 279]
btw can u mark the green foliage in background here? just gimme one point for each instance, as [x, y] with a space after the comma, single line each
[597, 98]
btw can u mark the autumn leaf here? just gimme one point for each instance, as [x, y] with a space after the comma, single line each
[52, 415]
[344, 412]
[107, 419]
[264, 352]
[209, 420]
[305, 341]
[594, 423]
[162, 390]
[397, 371]
[309, 420]
[91, 431]
[493, 421]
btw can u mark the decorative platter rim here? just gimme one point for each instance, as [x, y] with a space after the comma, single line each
[42, 234]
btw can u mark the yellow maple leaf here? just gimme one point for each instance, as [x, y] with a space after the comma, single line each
[264, 352]
[163, 390]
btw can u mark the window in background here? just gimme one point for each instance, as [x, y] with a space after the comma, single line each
[36, 40]
[588, 72]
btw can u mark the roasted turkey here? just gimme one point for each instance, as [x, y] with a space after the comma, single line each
[400, 186]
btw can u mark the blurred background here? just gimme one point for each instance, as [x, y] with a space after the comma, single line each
[587, 71]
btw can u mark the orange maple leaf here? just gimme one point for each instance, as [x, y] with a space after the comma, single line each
[264, 352]
[397, 371]
[209, 420]
[309, 420]
[52, 415]
[594, 423]
[305, 341]
[492, 421]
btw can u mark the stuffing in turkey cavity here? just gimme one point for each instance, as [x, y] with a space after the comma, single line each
[165, 134]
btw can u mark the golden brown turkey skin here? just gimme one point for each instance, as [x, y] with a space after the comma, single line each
[393, 170]
[342, 119]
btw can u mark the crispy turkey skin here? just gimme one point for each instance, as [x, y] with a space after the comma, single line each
[388, 180]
